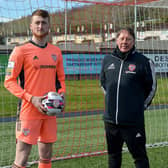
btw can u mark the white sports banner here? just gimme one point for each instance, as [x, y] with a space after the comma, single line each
[160, 60]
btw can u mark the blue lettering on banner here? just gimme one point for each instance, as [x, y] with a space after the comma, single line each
[82, 63]
[160, 60]
[91, 63]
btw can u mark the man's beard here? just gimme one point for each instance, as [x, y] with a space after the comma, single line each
[40, 36]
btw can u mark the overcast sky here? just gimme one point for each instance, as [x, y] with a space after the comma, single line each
[12, 9]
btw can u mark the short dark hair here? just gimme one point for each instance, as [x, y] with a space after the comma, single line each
[129, 30]
[42, 13]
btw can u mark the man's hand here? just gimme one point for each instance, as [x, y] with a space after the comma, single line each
[36, 101]
[63, 96]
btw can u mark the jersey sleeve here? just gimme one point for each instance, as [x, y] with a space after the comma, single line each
[103, 78]
[61, 74]
[150, 83]
[15, 65]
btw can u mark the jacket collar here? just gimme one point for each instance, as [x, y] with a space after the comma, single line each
[122, 55]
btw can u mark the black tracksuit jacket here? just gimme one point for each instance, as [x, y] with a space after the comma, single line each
[129, 85]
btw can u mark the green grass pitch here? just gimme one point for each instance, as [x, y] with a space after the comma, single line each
[80, 134]
[73, 139]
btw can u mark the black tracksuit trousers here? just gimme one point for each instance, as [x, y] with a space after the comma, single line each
[135, 139]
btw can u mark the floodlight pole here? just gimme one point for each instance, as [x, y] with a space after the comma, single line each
[135, 19]
[65, 25]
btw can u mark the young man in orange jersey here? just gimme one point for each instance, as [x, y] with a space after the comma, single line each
[39, 66]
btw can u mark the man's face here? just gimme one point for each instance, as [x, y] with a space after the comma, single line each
[125, 41]
[39, 26]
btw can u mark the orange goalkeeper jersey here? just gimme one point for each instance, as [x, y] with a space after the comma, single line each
[37, 68]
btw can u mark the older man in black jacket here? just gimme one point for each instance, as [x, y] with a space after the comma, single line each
[128, 81]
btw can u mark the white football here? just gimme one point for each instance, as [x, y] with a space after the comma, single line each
[54, 103]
